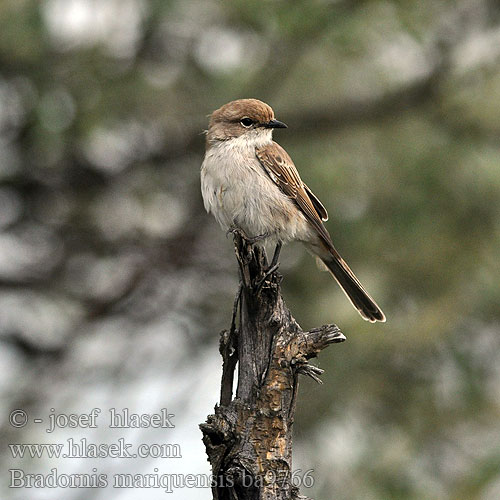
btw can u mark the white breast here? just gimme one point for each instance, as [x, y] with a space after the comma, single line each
[239, 193]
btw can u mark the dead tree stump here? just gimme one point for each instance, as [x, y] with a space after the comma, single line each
[249, 438]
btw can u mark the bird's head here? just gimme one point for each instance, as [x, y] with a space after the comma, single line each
[249, 119]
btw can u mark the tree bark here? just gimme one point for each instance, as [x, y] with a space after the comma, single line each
[249, 438]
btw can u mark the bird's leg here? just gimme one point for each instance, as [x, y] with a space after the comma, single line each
[273, 266]
[274, 263]
[246, 242]
[251, 240]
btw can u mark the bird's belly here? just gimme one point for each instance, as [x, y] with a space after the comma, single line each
[249, 200]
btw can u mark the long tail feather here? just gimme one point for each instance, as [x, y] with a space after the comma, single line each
[358, 296]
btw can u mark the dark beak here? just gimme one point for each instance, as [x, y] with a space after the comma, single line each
[275, 124]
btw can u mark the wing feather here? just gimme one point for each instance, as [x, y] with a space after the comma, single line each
[280, 168]
[317, 204]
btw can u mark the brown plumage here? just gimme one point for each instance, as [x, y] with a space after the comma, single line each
[257, 110]
[225, 122]
[283, 173]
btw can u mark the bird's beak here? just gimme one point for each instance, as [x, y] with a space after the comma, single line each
[275, 124]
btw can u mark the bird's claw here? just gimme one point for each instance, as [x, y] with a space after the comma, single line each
[270, 270]
[251, 240]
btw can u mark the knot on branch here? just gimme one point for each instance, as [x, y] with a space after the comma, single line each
[302, 346]
[307, 345]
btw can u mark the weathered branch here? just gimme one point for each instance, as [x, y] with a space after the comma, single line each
[249, 438]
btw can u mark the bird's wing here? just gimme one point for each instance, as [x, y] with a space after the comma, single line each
[317, 204]
[280, 168]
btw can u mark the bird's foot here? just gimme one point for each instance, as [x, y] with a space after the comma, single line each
[273, 267]
[250, 240]
[270, 270]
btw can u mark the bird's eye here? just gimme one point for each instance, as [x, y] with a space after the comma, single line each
[246, 122]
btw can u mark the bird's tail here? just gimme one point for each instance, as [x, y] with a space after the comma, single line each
[351, 286]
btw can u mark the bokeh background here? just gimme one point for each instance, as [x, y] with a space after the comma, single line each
[114, 283]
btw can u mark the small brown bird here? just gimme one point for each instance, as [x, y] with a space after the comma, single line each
[249, 182]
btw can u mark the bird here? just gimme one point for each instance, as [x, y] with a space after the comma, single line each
[249, 183]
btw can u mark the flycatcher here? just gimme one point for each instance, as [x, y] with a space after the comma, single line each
[249, 182]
